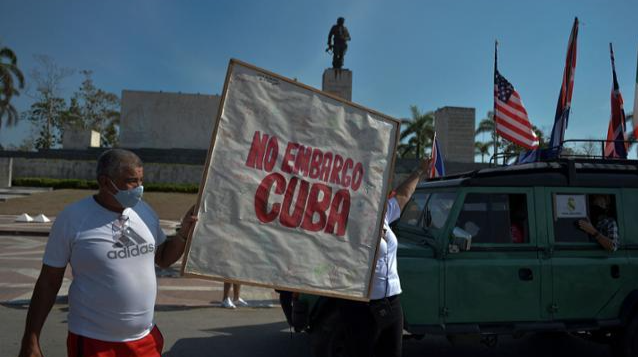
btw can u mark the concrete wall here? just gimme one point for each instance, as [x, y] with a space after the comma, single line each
[158, 120]
[176, 173]
[455, 132]
[85, 170]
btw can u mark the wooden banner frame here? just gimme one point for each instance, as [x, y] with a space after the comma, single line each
[232, 64]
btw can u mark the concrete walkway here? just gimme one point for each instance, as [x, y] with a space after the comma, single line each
[7, 193]
[22, 246]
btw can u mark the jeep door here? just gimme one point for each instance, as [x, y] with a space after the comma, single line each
[419, 261]
[499, 278]
[585, 277]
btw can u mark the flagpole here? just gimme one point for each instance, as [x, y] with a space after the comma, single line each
[494, 135]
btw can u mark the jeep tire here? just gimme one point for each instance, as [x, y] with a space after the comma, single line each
[626, 342]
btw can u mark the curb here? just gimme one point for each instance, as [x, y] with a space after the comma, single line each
[23, 233]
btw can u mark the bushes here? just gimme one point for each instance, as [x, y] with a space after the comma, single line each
[57, 184]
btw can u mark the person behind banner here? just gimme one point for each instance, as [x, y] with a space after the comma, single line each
[112, 241]
[376, 328]
[236, 301]
[606, 230]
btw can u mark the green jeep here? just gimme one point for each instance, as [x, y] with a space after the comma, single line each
[498, 251]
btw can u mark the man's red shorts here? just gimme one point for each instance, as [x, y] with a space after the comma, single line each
[149, 346]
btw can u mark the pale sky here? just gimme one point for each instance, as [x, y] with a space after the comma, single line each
[428, 53]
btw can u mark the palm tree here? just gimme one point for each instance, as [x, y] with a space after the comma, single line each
[11, 79]
[420, 131]
[487, 126]
[481, 148]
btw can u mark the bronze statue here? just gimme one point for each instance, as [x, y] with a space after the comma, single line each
[339, 45]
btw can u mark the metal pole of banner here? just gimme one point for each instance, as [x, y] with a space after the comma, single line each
[494, 136]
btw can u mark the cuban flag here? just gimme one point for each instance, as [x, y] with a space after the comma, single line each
[437, 169]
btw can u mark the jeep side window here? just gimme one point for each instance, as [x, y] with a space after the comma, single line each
[569, 208]
[438, 209]
[413, 211]
[495, 218]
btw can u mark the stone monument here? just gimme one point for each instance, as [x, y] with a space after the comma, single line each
[338, 38]
[6, 168]
[455, 133]
[338, 82]
[80, 139]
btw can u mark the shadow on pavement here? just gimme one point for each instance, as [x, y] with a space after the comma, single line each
[256, 340]
[271, 340]
[531, 345]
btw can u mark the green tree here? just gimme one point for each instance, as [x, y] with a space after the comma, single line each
[482, 148]
[95, 109]
[47, 115]
[11, 79]
[419, 131]
[48, 112]
[486, 126]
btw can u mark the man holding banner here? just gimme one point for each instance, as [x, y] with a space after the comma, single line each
[376, 328]
[112, 241]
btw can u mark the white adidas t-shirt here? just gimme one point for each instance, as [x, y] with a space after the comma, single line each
[112, 258]
[385, 282]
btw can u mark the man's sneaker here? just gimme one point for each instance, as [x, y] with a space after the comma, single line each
[228, 304]
[241, 302]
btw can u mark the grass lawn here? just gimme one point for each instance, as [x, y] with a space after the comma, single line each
[168, 205]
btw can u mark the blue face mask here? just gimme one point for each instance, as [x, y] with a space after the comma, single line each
[128, 198]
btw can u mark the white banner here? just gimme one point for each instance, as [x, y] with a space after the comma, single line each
[294, 188]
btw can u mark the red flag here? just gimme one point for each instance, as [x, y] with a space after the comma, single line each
[565, 96]
[635, 116]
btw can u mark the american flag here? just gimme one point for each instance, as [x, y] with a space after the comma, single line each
[565, 96]
[437, 169]
[510, 115]
[616, 146]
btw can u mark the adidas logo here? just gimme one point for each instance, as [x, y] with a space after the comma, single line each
[128, 252]
[132, 245]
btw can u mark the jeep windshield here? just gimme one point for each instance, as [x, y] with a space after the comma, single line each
[428, 211]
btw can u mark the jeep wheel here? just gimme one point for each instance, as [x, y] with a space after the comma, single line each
[328, 336]
[626, 342]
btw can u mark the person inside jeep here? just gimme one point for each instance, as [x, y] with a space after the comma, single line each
[518, 218]
[606, 230]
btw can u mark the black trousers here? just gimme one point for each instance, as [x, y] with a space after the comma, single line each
[368, 336]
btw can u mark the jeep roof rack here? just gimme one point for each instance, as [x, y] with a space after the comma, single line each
[562, 171]
[593, 149]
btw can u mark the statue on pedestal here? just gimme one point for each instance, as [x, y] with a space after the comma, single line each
[338, 43]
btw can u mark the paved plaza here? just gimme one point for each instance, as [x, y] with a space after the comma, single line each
[22, 246]
[194, 325]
